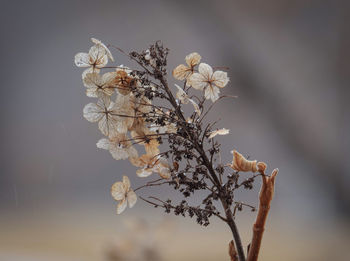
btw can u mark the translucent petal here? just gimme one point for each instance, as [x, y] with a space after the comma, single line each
[212, 92]
[118, 191]
[108, 52]
[198, 81]
[205, 70]
[193, 59]
[92, 112]
[126, 182]
[132, 198]
[103, 144]
[103, 126]
[92, 80]
[121, 206]
[82, 60]
[220, 79]
[181, 95]
[118, 153]
[98, 56]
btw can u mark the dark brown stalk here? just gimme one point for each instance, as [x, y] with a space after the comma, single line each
[265, 197]
[199, 147]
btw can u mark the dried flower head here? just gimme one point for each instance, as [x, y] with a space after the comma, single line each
[121, 191]
[209, 82]
[182, 71]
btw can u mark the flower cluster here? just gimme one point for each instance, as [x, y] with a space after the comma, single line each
[124, 110]
[142, 120]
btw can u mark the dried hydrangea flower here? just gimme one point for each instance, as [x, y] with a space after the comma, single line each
[95, 59]
[98, 85]
[222, 131]
[183, 72]
[106, 113]
[240, 163]
[209, 82]
[122, 192]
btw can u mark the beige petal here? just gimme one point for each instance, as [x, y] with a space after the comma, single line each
[126, 182]
[220, 79]
[121, 206]
[193, 59]
[92, 112]
[181, 72]
[144, 172]
[118, 191]
[132, 198]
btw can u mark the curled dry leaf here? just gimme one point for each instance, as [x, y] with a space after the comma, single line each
[240, 163]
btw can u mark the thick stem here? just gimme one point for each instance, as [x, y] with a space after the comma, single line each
[266, 195]
[237, 239]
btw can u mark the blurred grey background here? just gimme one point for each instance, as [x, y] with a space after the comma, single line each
[289, 66]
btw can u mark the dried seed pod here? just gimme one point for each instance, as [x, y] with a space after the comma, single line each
[240, 163]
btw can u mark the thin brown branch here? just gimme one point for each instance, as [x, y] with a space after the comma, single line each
[265, 197]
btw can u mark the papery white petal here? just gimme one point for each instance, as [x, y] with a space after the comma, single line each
[212, 92]
[132, 198]
[103, 144]
[118, 191]
[121, 206]
[205, 70]
[92, 112]
[220, 79]
[82, 60]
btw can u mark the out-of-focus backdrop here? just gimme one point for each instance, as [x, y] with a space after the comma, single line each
[289, 66]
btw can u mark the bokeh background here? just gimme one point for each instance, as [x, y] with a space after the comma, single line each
[289, 66]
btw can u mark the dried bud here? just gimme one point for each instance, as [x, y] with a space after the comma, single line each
[261, 167]
[240, 163]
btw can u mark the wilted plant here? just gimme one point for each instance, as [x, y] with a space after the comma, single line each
[147, 112]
